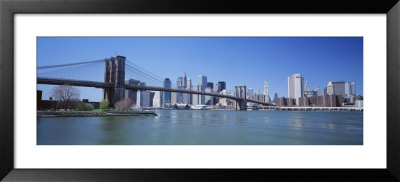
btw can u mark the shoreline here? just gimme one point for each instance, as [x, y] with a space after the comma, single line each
[48, 114]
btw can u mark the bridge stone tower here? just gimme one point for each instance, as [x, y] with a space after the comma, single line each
[240, 91]
[115, 73]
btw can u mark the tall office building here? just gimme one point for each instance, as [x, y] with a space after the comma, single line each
[187, 98]
[179, 85]
[166, 96]
[202, 81]
[146, 98]
[216, 88]
[130, 93]
[350, 89]
[353, 88]
[203, 84]
[195, 97]
[275, 98]
[209, 100]
[330, 89]
[184, 80]
[139, 95]
[296, 87]
[210, 85]
[157, 99]
[266, 92]
[339, 88]
[222, 85]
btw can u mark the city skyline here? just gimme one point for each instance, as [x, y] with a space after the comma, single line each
[173, 68]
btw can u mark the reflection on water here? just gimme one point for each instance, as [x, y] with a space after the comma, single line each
[211, 127]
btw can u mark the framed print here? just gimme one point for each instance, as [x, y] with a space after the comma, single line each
[154, 90]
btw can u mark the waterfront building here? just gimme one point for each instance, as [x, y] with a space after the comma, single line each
[157, 100]
[166, 96]
[173, 98]
[330, 100]
[146, 98]
[209, 100]
[151, 98]
[359, 104]
[139, 95]
[195, 97]
[317, 100]
[131, 94]
[295, 86]
[304, 102]
[285, 102]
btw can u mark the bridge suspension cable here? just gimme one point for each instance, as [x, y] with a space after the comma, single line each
[71, 64]
[147, 74]
[141, 68]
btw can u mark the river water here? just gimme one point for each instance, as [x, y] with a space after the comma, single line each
[206, 127]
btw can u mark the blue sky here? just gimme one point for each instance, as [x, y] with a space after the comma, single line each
[236, 60]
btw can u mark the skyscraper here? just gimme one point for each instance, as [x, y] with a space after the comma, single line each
[296, 87]
[202, 81]
[179, 85]
[221, 86]
[209, 100]
[139, 97]
[166, 96]
[203, 84]
[157, 99]
[196, 97]
[339, 88]
[266, 92]
[275, 98]
[330, 89]
[350, 89]
[187, 98]
[210, 85]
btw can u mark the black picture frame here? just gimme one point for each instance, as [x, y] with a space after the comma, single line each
[8, 8]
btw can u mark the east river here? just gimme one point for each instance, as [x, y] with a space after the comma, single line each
[206, 127]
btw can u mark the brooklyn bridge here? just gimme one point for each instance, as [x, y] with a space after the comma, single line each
[115, 70]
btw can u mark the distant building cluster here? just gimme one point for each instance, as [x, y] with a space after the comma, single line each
[335, 94]
[160, 99]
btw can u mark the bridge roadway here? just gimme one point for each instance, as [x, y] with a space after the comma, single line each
[83, 83]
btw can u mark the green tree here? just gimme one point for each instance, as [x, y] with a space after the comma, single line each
[84, 107]
[104, 104]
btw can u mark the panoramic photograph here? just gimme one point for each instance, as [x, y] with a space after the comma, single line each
[199, 91]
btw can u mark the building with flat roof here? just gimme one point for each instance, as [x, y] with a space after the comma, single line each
[295, 86]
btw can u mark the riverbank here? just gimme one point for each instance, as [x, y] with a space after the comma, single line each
[93, 114]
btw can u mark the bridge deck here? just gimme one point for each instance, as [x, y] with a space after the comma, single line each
[83, 83]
